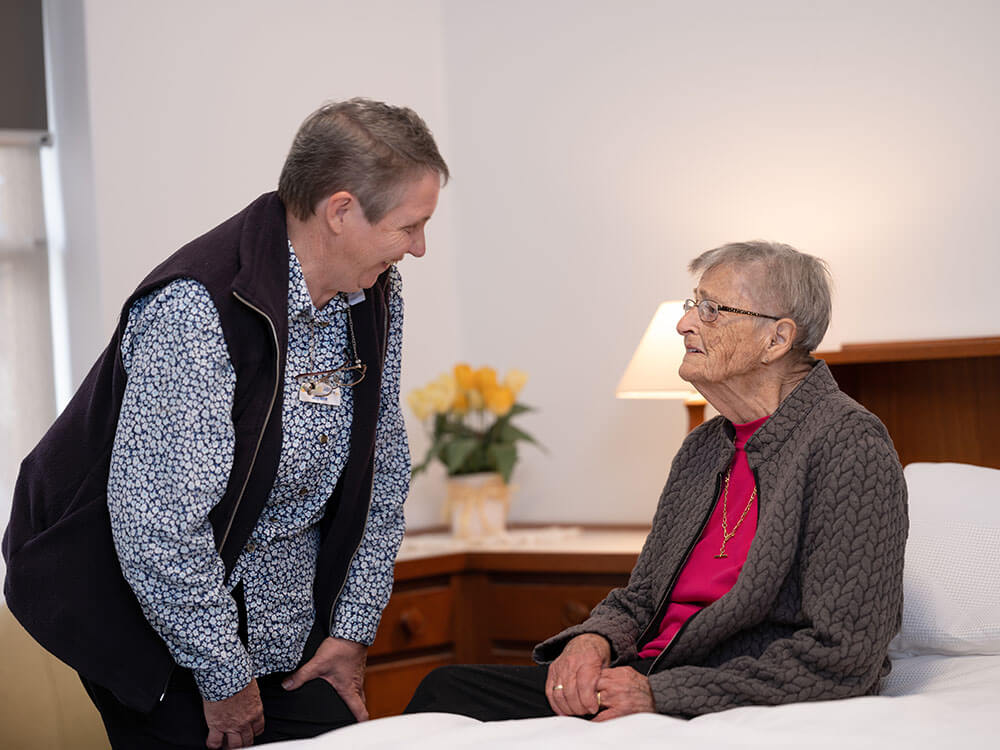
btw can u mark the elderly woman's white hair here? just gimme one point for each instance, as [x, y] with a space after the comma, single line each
[797, 283]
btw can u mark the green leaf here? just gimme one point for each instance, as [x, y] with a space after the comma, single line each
[454, 426]
[503, 456]
[519, 409]
[434, 451]
[510, 434]
[489, 446]
[455, 452]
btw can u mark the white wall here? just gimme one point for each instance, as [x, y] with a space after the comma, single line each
[595, 148]
[603, 145]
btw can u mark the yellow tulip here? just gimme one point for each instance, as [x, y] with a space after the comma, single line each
[461, 403]
[499, 400]
[448, 384]
[515, 380]
[486, 377]
[440, 397]
[464, 376]
[475, 399]
[419, 403]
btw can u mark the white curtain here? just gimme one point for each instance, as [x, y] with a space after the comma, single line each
[27, 399]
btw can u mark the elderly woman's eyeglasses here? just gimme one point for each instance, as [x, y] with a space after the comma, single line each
[708, 311]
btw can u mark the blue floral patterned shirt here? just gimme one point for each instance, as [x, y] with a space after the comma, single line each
[170, 465]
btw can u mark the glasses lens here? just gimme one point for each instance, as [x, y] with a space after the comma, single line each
[708, 311]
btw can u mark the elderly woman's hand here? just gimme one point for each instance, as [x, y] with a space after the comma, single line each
[571, 686]
[624, 691]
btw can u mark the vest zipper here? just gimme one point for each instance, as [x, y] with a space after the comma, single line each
[267, 417]
[673, 640]
[371, 487]
[658, 614]
[253, 460]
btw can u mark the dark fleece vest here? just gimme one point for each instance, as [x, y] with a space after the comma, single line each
[64, 583]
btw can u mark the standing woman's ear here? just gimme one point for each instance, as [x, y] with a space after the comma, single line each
[335, 210]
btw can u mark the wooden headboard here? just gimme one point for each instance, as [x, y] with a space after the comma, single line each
[940, 400]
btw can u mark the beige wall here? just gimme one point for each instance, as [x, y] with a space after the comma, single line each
[596, 148]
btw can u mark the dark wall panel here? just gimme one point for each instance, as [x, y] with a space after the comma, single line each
[22, 66]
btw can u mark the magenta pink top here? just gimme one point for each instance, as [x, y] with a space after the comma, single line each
[706, 577]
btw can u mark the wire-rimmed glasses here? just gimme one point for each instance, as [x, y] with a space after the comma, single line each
[708, 310]
[324, 382]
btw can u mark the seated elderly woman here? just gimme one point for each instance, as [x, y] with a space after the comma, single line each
[773, 570]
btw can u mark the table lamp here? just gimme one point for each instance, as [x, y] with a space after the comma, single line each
[652, 372]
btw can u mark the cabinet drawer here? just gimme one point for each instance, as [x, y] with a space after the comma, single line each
[415, 619]
[523, 612]
[389, 686]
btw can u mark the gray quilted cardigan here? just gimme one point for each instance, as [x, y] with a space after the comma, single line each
[820, 595]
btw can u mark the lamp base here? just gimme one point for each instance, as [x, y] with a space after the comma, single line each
[696, 413]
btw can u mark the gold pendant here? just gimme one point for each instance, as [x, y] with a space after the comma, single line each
[721, 555]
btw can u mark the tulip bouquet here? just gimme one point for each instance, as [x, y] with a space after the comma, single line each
[469, 414]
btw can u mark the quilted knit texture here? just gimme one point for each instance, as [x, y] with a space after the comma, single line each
[821, 594]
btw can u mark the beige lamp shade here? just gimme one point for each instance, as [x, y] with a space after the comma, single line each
[652, 373]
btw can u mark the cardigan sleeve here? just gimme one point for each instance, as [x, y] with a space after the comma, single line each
[851, 590]
[619, 618]
[624, 613]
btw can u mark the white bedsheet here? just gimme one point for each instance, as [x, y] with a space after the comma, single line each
[928, 702]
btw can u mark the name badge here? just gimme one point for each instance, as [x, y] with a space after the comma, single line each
[319, 392]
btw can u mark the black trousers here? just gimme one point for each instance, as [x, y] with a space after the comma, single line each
[178, 721]
[490, 692]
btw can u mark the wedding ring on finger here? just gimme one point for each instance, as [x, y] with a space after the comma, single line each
[558, 687]
[598, 699]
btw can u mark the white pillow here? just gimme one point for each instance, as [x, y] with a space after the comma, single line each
[951, 578]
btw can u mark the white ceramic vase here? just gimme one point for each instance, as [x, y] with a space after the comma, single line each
[477, 505]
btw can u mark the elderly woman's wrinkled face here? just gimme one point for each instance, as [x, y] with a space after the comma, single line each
[733, 344]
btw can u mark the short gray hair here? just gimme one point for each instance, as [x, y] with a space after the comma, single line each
[796, 282]
[367, 148]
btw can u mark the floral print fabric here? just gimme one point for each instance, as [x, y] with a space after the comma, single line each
[170, 465]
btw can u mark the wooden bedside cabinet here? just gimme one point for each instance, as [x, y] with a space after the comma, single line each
[485, 607]
[417, 632]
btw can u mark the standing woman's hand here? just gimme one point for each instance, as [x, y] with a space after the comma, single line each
[342, 664]
[234, 721]
[571, 686]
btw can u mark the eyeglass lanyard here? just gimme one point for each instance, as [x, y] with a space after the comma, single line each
[356, 361]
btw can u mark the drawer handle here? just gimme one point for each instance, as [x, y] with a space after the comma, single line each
[411, 621]
[574, 612]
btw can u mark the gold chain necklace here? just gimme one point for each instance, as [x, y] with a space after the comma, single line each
[726, 534]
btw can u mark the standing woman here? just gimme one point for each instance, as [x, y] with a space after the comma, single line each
[773, 570]
[207, 533]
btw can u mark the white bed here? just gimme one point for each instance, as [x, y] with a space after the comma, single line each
[944, 690]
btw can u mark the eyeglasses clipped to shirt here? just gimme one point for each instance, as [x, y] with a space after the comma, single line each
[323, 386]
